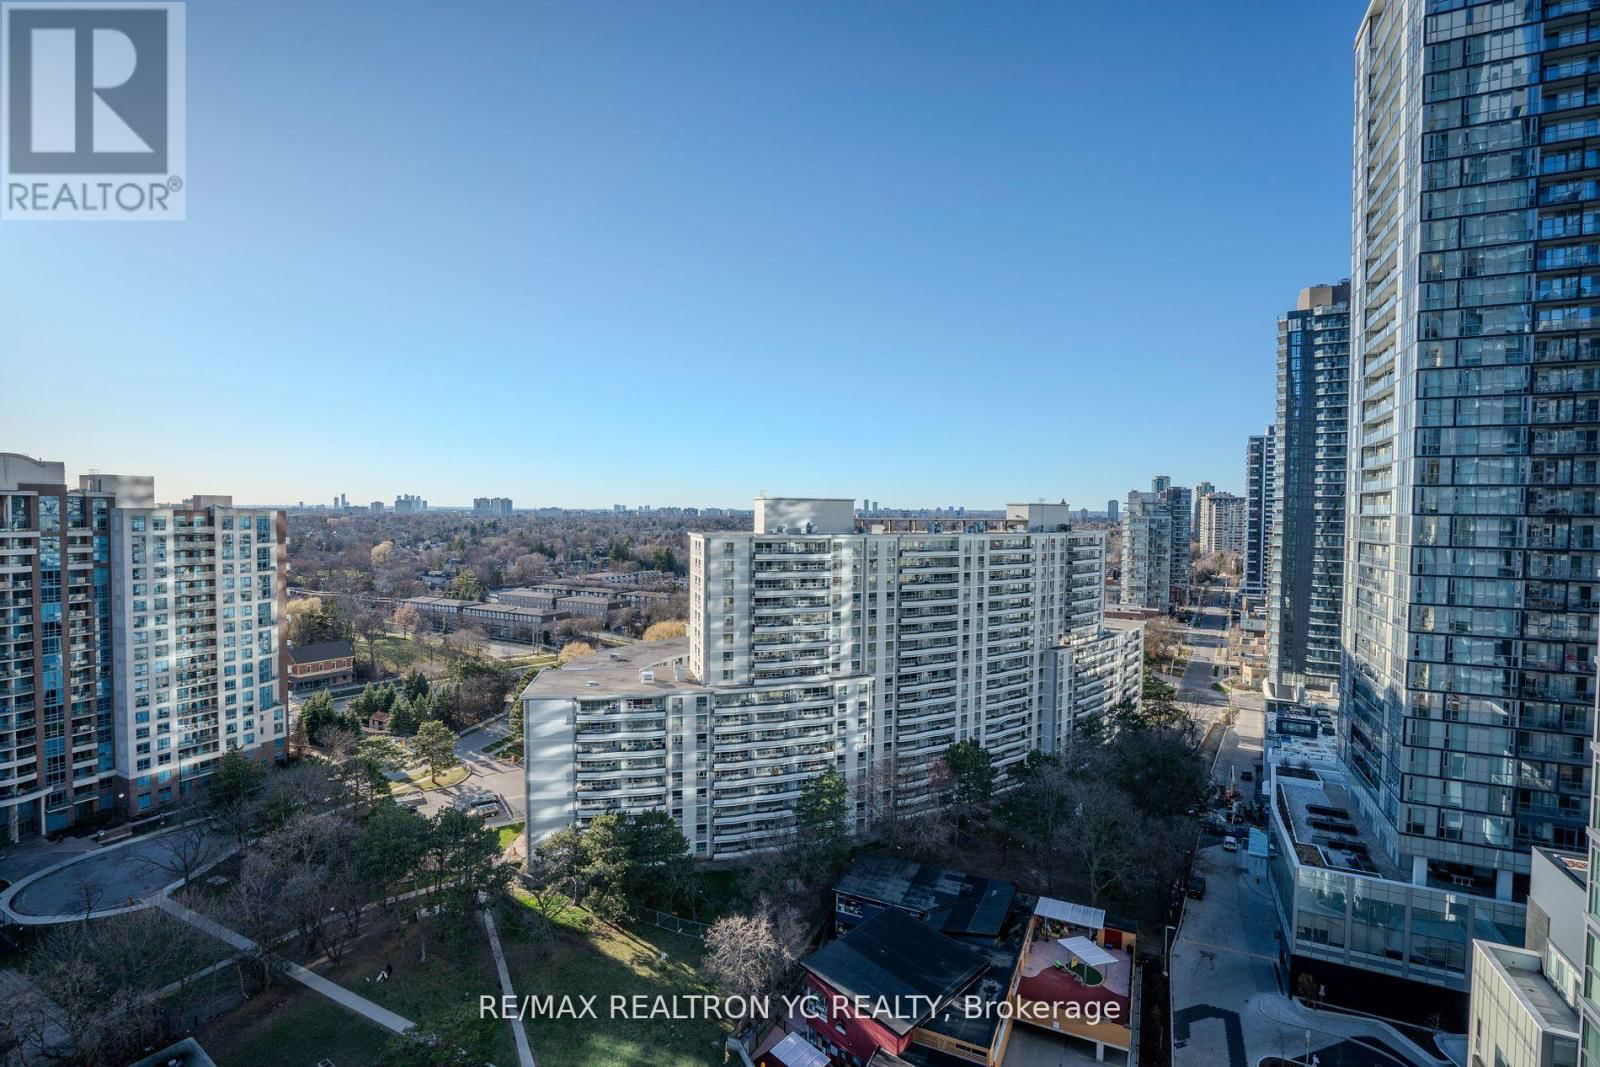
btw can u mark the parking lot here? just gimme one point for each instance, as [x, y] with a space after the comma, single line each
[486, 776]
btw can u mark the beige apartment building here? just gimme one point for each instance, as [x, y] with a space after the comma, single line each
[823, 641]
[1222, 523]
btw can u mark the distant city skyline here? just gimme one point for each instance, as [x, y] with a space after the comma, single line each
[361, 498]
[686, 253]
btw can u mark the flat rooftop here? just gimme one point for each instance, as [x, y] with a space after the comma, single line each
[1574, 865]
[1519, 969]
[615, 672]
[951, 901]
[1327, 825]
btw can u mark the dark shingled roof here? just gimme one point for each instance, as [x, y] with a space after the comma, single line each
[892, 955]
[956, 903]
[320, 651]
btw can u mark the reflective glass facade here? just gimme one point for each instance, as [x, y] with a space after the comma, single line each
[1307, 558]
[1413, 932]
[56, 744]
[1470, 589]
[1260, 472]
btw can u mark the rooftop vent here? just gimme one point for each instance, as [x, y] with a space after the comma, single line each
[647, 677]
[591, 683]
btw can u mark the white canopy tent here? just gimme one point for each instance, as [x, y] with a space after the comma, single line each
[1088, 952]
[1067, 912]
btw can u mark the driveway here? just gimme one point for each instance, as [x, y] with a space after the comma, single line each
[38, 853]
[123, 875]
[485, 774]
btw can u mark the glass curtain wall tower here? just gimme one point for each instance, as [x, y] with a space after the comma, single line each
[1259, 474]
[1307, 559]
[1471, 562]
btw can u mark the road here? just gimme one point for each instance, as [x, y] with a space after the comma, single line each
[1228, 1004]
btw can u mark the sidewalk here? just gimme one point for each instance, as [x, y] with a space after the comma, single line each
[519, 1030]
[311, 980]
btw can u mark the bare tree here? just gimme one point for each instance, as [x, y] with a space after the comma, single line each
[184, 851]
[1101, 833]
[309, 785]
[101, 989]
[751, 955]
[251, 909]
[314, 858]
[338, 744]
[408, 618]
[88, 893]
[370, 620]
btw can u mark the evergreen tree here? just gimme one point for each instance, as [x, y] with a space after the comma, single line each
[973, 770]
[822, 815]
[436, 746]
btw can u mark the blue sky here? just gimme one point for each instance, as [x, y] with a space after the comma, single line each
[675, 253]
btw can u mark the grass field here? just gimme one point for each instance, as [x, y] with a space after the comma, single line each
[603, 961]
[403, 655]
[419, 778]
[292, 1026]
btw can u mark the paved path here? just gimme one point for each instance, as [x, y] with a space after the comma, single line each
[518, 1030]
[34, 855]
[310, 979]
[112, 879]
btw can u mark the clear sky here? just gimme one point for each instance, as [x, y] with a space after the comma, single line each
[675, 253]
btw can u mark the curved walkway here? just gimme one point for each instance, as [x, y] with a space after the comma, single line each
[111, 880]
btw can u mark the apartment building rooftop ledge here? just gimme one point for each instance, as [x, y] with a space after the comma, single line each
[644, 668]
[1519, 970]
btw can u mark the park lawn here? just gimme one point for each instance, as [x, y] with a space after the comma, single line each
[457, 972]
[507, 748]
[292, 1026]
[530, 659]
[603, 961]
[418, 778]
[404, 655]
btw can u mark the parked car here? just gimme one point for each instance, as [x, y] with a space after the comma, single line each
[1230, 844]
[1247, 776]
[1197, 888]
[411, 800]
[486, 807]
